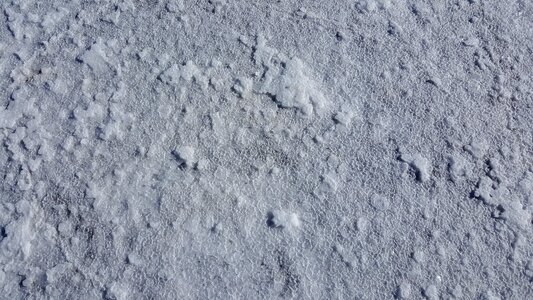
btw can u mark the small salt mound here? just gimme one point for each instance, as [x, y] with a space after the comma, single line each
[21, 105]
[420, 164]
[292, 88]
[52, 18]
[477, 148]
[263, 54]
[190, 71]
[21, 232]
[283, 219]
[286, 80]
[171, 75]
[175, 6]
[185, 155]
[10, 116]
[118, 291]
[431, 292]
[243, 86]
[515, 213]
[117, 126]
[404, 291]
[459, 167]
[372, 5]
[187, 72]
[344, 117]
[96, 58]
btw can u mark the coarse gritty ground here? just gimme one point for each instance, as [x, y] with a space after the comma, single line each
[274, 149]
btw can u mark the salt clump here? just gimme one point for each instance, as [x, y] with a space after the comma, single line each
[283, 219]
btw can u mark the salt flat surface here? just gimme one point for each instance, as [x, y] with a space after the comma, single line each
[276, 149]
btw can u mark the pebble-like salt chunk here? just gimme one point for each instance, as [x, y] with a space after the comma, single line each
[404, 291]
[293, 88]
[186, 154]
[344, 117]
[189, 71]
[420, 164]
[243, 86]
[171, 75]
[95, 58]
[283, 219]
[431, 292]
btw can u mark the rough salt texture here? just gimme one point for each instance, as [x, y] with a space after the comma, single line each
[277, 149]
